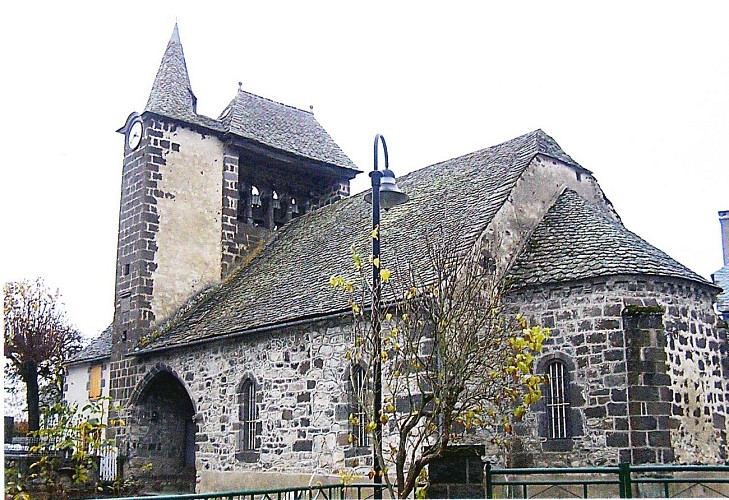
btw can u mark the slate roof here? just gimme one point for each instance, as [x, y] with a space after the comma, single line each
[98, 348]
[289, 279]
[248, 116]
[721, 279]
[576, 240]
[282, 127]
[171, 93]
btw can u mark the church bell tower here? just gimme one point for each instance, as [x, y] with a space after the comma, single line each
[199, 194]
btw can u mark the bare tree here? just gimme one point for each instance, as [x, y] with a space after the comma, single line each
[454, 366]
[38, 339]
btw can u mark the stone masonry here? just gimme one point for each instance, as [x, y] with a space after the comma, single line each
[624, 401]
[303, 404]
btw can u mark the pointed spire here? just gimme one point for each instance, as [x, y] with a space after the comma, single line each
[171, 93]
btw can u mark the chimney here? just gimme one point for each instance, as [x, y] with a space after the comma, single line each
[724, 221]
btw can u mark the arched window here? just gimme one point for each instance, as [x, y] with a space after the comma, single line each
[248, 439]
[255, 197]
[557, 400]
[359, 400]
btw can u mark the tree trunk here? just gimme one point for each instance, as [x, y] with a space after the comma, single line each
[30, 377]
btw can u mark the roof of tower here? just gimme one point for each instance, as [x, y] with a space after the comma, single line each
[297, 265]
[171, 93]
[248, 116]
[577, 240]
[98, 348]
[282, 127]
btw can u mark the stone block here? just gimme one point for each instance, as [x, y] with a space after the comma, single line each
[617, 409]
[662, 408]
[659, 439]
[613, 355]
[643, 393]
[657, 379]
[644, 456]
[617, 439]
[618, 395]
[595, 412]
[645, 423]
[621, 424]
[607, 324]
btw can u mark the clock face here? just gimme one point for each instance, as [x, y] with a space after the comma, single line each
[134, 134]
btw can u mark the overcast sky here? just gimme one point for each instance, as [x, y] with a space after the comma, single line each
[637, 92]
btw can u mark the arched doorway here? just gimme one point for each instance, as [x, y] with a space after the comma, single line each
[162, 433]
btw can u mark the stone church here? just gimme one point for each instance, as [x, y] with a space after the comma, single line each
[227, 345]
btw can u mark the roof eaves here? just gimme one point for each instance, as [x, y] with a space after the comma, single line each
[228, 134]
[244, 331]
[200, 121]
[89, 359]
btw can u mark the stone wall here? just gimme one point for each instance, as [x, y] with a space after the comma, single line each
[626, 373]
[169, 243]
[187, 190]
[303, 403]
[628, 391]
[649, 387]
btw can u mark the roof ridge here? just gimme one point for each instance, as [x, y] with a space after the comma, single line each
[275, 101]
[493, 148]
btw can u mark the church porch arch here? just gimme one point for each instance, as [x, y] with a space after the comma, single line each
[162, 430]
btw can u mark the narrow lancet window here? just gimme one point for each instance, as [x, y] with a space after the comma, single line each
[359, 400]
[248, 416]
[557, 400]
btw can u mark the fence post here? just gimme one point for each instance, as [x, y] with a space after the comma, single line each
[489, 485]
[626, 487]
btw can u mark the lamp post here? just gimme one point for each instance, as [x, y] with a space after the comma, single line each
[385, 194]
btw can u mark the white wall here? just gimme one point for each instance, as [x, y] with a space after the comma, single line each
[77, 379]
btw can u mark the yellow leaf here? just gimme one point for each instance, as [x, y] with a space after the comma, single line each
[376, 262]
[375, 233]
[385, 275]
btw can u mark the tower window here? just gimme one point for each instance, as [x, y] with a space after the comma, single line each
[557, 400]
[359, 398]
[247, 415]
[255, 197]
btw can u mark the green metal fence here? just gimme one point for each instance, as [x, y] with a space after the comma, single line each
[625, 481]
[360, 491]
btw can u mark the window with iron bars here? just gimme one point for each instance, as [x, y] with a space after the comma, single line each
[557, 400]
[359, 396]
[247, 416]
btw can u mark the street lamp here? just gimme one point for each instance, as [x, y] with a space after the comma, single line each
[385, 194]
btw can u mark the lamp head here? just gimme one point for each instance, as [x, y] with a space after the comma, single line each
[390, 194]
